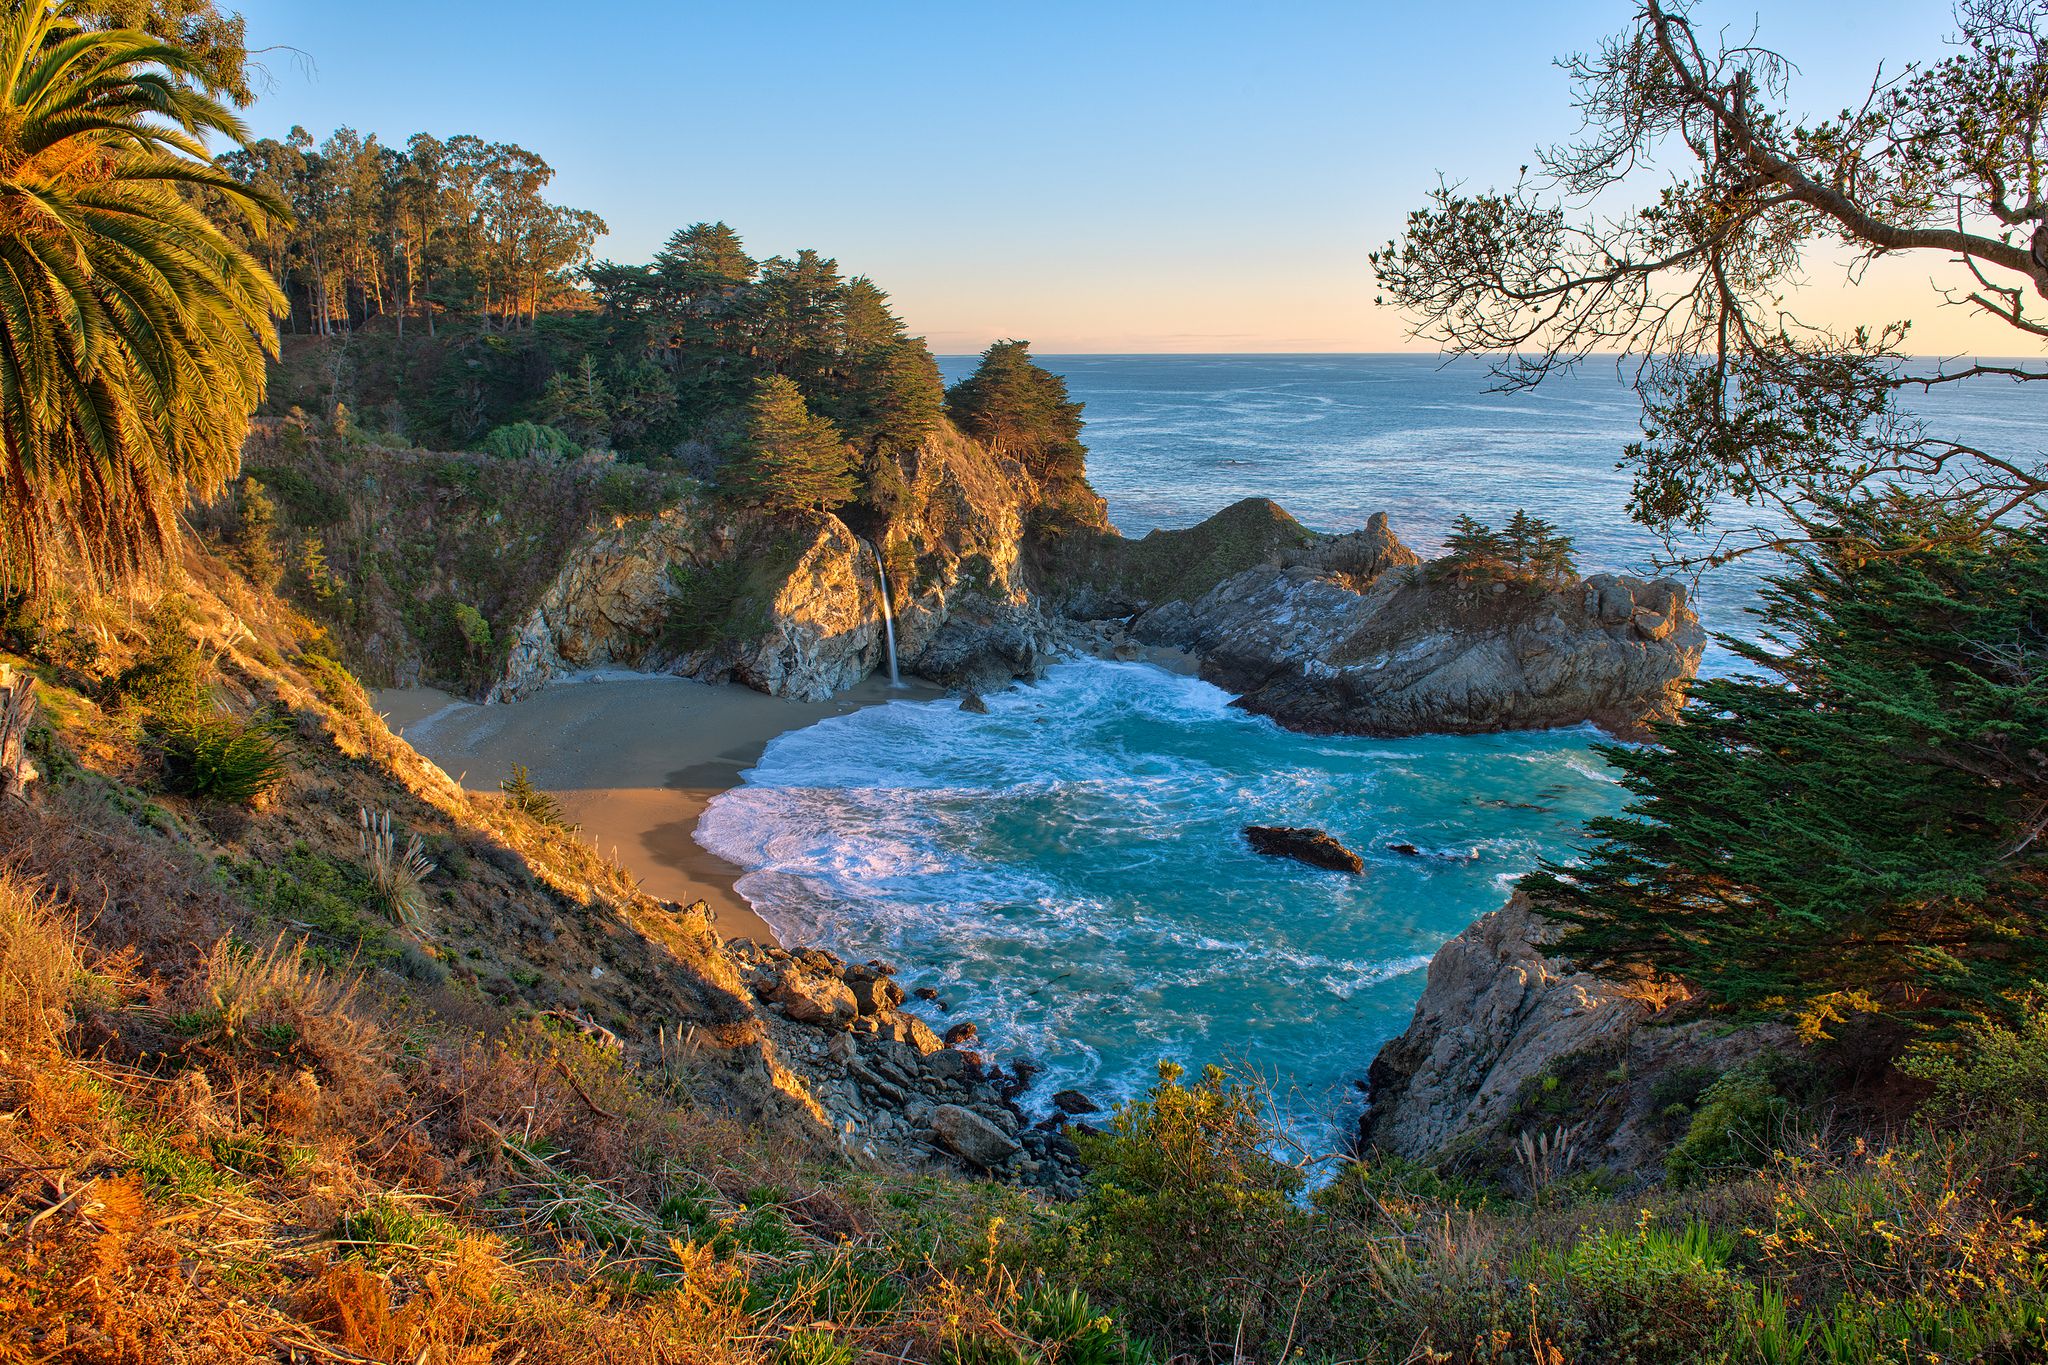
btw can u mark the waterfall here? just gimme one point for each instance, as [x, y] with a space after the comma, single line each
[888, 615]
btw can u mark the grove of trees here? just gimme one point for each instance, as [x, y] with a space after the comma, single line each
[441, 228]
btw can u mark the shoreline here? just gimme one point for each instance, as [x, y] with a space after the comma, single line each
[634, 759]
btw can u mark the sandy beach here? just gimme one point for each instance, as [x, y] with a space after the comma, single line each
[634, 760]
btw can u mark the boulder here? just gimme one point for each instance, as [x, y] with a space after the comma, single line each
[1311, 846]
[873, 991]
[1074, 1102]
[962, 1034]
[806, 996]
[972, 1137]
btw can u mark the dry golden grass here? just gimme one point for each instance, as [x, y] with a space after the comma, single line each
[38, 969]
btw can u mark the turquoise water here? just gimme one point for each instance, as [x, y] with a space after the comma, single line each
[1067, 871]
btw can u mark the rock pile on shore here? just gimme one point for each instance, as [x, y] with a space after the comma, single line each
[888, 1085]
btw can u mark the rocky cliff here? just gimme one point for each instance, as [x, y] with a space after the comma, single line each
[1508, 1041]
[1353, 634]
[800, 602]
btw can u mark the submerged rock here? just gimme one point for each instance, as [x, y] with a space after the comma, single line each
[1311, 846]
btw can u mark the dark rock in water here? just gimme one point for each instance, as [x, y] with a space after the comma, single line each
[1074, 1102]
[962, 1033]
[1018, 1079]
[1310, 846]
[972, 703]
[1405, 850]
[930, 997]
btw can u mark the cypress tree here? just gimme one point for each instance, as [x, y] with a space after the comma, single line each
[793, 461]
[1857, 829]
[254, 547]
[1023, 411]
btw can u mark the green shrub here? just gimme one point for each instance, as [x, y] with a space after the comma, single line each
[527, 441]
[1740, 1121]
[221, 757]
[1992, 1086]
[1190, 1227]
[523, 796]
[1644, 1298]
[712, 605]
[1058, 1327]
[168, 678]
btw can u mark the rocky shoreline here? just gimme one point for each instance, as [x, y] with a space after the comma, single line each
[889, 1087]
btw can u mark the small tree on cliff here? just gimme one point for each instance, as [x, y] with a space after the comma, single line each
[792, 461]
[1862, 829]
[1021, 409]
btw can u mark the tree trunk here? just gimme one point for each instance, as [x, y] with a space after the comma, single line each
[17, 710]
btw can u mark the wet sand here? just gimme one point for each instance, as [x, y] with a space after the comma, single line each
[634, 761]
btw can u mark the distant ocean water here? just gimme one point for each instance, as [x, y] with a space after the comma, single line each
[1066, 870]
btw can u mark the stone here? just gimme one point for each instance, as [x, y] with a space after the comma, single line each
[873, 993]
[1386, 649]
[911, 1031]
[948, 1064]
[972, 1137]
[1311, 846]
[1405, 850]
[962, 1033]
[1074, 1102]
[807, 997]
[973, 705]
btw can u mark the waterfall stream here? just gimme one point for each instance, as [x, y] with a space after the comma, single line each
[888, 615]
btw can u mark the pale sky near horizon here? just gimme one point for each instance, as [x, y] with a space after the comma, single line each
[1107, 177]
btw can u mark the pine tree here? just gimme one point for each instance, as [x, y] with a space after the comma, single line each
[793, 461]
[577, 404]
[1857, 829]
[1023, 411]
[1474, 547]
[1534, 548]
[254, 547]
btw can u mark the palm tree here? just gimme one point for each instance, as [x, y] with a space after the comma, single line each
[133, 333]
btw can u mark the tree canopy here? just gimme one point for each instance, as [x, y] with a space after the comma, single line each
[136, 331]
[458, 227]
[1022, 410]
[1741, 398]
[791, 461]
[1857, 829]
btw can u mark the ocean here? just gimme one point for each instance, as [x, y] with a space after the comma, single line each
[1066, 871]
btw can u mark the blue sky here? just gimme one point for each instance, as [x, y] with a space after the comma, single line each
[1183, 176]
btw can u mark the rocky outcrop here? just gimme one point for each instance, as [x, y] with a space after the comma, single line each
[1311, 846]
[1500, 1019]
[1096, 575]
[1356, 636]
[886, 1084]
